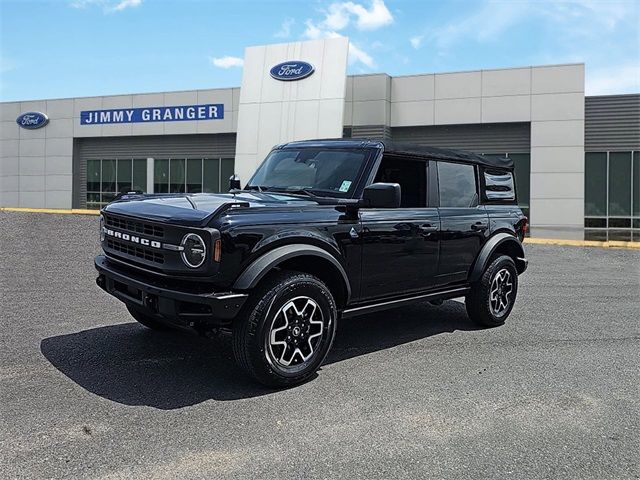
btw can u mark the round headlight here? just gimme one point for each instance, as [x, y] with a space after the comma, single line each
[194, 250]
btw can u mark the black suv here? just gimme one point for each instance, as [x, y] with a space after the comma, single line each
[323, 231]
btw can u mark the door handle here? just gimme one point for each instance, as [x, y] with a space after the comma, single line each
[427, 227]
[479, 227]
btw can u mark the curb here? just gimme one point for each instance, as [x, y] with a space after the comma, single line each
[529, 241]
[63, 211]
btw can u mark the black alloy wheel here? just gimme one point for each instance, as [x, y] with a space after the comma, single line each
[491, 298]
[286, 328]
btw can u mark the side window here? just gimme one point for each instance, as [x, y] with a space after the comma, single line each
[499, 185]
[410, 174]
[457, 185]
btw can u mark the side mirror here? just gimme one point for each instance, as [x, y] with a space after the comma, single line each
[234, 182]
[382, 195]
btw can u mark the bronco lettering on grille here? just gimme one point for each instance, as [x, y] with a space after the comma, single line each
[132, 238]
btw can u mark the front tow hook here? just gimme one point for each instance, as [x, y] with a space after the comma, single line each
[151, 302]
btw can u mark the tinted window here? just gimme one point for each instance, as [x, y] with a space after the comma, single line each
[499, 185]
[457, 184]
[411, 175]
[620, 183]
[636, 185]
[595, 184]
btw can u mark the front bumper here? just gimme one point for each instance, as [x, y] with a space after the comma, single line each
[169, 305]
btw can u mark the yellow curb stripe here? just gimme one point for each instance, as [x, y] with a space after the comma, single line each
[530, 241]
[582, 243]
[63, 211]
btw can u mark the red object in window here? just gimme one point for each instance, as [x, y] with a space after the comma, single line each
[524, 228]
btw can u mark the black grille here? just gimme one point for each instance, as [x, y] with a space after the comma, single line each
[135, 251]
[133, 226]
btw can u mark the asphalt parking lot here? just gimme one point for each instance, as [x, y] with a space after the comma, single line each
[419, 392]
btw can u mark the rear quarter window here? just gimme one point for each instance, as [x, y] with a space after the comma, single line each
[499, 185]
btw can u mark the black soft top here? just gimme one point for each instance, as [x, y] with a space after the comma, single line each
[405, 149]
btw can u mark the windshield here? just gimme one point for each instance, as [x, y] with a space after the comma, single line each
[332, 172]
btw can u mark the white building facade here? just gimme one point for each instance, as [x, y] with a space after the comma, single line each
[190, 141]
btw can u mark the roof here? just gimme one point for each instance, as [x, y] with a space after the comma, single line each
[405, 149]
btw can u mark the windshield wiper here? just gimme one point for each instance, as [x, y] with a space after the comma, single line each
[294, 191]
[260, 188]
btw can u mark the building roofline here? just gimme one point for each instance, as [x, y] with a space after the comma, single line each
[614, 95]
[119, 95]
[523, 67]
[352, 76]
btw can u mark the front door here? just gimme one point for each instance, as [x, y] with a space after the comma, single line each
[400, 245]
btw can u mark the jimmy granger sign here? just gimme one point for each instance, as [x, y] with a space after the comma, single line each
[180, 113]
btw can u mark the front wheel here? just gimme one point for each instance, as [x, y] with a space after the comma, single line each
[286, 330]
[491, 299]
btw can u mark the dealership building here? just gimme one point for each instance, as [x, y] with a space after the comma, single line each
[577, 158]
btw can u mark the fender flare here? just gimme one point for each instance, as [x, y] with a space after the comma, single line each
[251, 275]
[487, 250]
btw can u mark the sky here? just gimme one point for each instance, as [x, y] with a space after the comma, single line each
[72, 48]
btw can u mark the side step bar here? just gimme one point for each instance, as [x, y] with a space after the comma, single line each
[375, 307]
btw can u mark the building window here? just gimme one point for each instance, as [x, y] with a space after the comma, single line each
[108, 177]
[595, 186]
[612, 196]
[192, 175]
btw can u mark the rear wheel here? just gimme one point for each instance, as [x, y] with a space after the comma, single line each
[492, 298]
[146, 320]
[286, 329]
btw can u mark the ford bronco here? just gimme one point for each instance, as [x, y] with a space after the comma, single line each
[323, 231]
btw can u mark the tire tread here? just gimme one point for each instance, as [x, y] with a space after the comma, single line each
[477, 300]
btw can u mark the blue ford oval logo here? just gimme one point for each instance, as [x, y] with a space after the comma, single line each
[32, 120]
[294, 70]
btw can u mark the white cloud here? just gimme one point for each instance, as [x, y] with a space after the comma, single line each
[571, 19]
[613, 80]
[313, 32]
[337, 17]
[416, 42]
[340, 14]
[107, 5]
[122, 4]
[285, 28]
[375, 17]
[485, 24]
[227, 62]
[356, 54]
[83, 3]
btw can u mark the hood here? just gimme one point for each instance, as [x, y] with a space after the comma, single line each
[197, 208]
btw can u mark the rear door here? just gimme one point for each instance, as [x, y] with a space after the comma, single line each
[463, 222]
[400, 245]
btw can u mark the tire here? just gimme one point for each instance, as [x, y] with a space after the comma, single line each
[146, 320]
[285, 330]
[491, 298]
